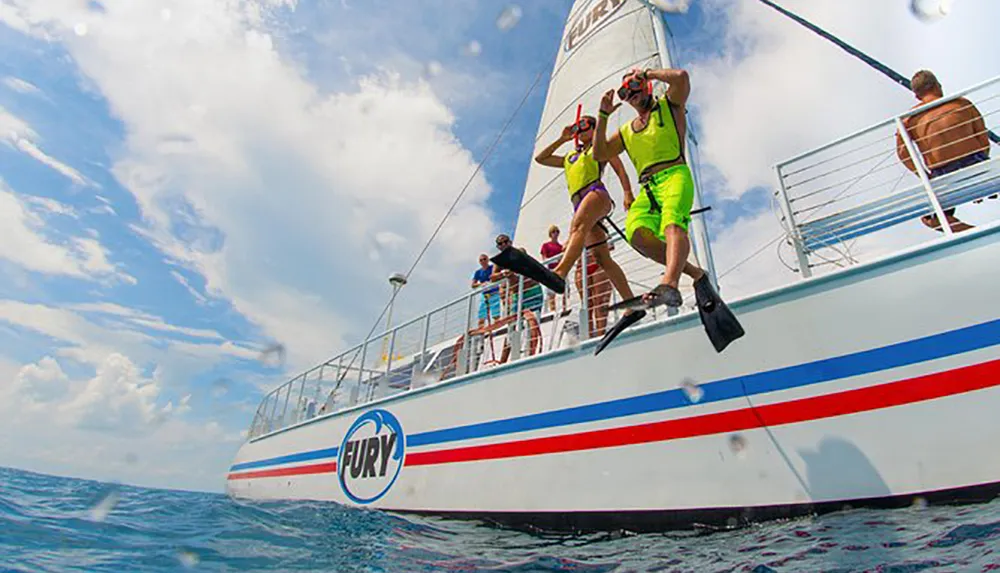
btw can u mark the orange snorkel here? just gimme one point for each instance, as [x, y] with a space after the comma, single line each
[576, 131]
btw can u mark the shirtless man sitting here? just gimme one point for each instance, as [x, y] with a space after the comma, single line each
[950, 136]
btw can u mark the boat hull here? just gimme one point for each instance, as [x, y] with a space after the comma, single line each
[875, 385]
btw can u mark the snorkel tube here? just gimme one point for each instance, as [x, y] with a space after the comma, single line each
[576, 124]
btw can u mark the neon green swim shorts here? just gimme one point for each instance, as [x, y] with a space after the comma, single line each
[673, 193]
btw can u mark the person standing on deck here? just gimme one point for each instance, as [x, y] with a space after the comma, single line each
[591, 202]
[490, 305]
[950, 136]
[548, 251]
[531, 307]
[657, 220]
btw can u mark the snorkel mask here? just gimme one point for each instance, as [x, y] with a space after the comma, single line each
[631, 85]
[582, 124]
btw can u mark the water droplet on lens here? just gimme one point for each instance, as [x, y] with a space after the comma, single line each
[930, 10]
[919, 503]
[671, 6]
[131, 458]
[188, 559]
[165, 14]
[433, 68]
[473, 48]
[509, 18]
[158, 419]
[573, 342]
[731, 522]
[80, 29]
[101, 510]
[421, 379]
[220, 387]
[738, 445]
[274, 355]
[691, 389]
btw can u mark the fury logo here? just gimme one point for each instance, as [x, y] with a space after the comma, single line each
[361, 456]
[371, 456]
[589, 20]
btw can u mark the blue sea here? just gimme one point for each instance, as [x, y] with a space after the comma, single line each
[59, 524]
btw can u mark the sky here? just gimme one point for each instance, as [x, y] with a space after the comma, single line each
[185, 184]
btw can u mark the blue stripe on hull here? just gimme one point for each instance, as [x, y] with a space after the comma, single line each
[826, 370]
[866, 362]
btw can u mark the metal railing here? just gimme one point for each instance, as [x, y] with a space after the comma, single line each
[836, 197]
[458, 338]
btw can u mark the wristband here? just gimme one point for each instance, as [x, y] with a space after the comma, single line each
[603, 114]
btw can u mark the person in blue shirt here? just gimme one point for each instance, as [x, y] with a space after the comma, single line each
[491, 295]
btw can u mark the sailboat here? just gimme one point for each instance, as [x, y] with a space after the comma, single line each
[861, 383]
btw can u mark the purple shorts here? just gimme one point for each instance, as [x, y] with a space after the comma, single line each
[595, 187]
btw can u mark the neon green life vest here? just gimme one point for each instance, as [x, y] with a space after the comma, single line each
[581, 170]
[658, 142]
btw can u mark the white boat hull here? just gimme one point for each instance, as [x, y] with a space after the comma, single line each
[872, 385]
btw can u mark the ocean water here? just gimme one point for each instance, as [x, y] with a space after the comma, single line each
[58, 524]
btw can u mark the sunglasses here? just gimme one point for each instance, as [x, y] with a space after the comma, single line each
[502, 242]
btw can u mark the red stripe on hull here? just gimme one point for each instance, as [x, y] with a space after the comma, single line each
[908, 391]
[329, 467]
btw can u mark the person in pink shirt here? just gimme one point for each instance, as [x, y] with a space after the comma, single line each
[549, 250]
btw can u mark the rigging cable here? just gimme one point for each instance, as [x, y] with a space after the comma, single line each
[423, 251]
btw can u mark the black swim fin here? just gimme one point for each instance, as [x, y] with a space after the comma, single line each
[623, 323]
[523, 264]
[661, 296]
[634, 302]
[720, 323]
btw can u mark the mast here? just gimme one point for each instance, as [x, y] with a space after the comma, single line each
[699, 230]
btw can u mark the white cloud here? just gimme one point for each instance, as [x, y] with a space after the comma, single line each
[23, 242]
[89, 333]
[21, 86]
[11, 16]
[776, 90]
[112, 389]
[104, 208]
[95, 260]
[145, 320]
[18, 134]
[51, 206]
[158, 324]
[112, 425]
[198, 297]
[117, 399]
[42, 382]
[13, 128]
[277, 194]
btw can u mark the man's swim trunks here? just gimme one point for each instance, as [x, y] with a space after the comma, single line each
[955, 165]
[533, 299]
[666, 199]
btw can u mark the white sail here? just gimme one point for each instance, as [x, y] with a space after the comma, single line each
[602, 40]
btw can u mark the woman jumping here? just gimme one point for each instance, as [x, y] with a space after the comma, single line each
[591, 202]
